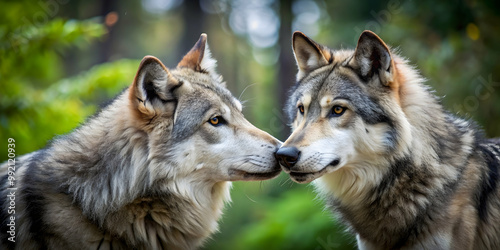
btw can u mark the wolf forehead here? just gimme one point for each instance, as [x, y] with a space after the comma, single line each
[205, 98]
[206, 90]
[339, 81]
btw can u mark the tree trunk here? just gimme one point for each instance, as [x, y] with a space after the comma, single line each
[194, 20]
[286, 61]
[106, 46]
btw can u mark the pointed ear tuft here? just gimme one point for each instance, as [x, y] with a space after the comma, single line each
[372, 56]
[199, 58]
[153, 87]
[308, 54]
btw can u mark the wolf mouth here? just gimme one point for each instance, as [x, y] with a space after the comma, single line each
[303, 176]
[263, 175]
[256, 176]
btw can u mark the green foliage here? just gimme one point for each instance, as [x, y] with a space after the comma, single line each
[291, 218]
[33, 106]
[294, 222]
[35, 116]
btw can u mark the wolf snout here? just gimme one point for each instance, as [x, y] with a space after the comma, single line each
[287, 156]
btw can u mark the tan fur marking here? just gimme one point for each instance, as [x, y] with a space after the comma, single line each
[193, 58]
[306, 101]
[325, 101]
[395, 82]
[327, 54]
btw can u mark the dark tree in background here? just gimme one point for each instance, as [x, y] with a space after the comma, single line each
[287, 68]
[108, 8]
[194, 22]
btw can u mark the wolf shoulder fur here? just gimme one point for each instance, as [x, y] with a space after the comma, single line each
[151, 171]
[398, 169]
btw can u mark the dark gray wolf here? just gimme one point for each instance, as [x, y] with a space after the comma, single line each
[398, 169]
[151, 171]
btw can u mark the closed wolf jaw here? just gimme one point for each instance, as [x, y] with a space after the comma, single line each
[306, 177]
[252, 176]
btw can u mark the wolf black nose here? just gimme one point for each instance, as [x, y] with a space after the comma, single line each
[288, 156]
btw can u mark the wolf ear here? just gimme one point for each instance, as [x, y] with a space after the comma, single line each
[372, 56]
[199, 58]
[308, 54]
[153, 87]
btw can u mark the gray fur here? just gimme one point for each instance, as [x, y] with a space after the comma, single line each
[411, 175]
[147, 172]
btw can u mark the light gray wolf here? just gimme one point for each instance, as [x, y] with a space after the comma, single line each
[152, 170]
[399, 170]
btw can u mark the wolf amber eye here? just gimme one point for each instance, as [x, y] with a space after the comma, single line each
[338, 110]
[216, 120]
[301, 109]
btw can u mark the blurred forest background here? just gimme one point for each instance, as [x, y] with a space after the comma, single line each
[61, 59]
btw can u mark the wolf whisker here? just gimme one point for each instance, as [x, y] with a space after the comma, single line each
[245, 90]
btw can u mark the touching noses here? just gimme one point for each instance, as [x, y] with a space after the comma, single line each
[287, 156]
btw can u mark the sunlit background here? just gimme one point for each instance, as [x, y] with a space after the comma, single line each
[61, 59]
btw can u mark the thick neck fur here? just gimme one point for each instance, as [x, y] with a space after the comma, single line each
[112, 176]
[387, 199]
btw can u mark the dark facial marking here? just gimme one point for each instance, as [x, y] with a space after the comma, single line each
[188, 119]
[208, 136]
[490, 178]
